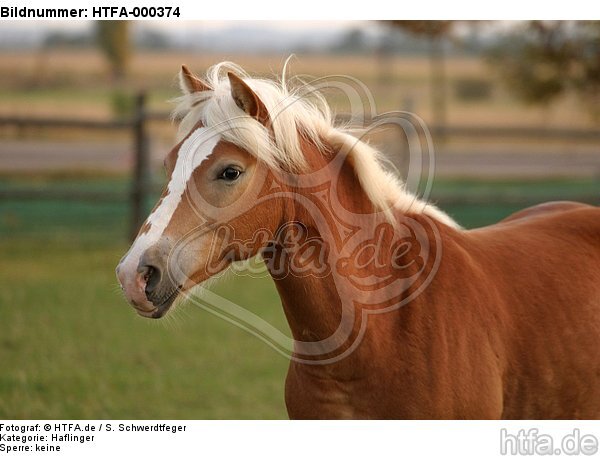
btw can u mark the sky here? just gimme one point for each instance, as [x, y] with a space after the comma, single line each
[246, 35]
[179, 24]
[239, 34]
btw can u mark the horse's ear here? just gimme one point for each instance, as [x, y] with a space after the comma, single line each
[189, 82]
[247, 100]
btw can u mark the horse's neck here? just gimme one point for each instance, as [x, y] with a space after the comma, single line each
[326, 306]
[312, 306]
[313, 301]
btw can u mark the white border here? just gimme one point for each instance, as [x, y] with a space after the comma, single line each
[461, 438]
[318, 10]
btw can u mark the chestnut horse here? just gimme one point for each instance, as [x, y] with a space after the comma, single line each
[395, 311]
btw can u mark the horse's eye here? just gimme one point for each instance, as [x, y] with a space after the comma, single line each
[230, 174]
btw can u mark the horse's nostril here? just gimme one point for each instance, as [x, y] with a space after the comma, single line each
[149, 270]
[151, 275]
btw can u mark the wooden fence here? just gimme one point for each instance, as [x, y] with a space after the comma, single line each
[137, 125]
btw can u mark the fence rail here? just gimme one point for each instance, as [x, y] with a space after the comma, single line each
[462, 131]
[63, 195]
[141, 182]
[483, 132]
[45, 122]
[137, 125]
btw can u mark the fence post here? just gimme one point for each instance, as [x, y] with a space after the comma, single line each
[140, 185]
[439, 82]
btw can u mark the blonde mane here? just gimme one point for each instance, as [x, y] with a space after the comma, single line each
[293, 110]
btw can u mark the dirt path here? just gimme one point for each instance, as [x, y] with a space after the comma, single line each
[474, 161]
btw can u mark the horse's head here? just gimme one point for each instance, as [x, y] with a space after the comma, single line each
[252, 157]
[213, 181]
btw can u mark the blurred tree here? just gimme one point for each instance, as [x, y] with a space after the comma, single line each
[430, 29]
[352, 42]
[436, 32]
[542, 60]
[60, 39]
[149, 39]
[113, 39]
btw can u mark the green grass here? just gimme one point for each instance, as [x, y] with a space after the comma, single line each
[499, 199]
[534, 189]
[71, 347]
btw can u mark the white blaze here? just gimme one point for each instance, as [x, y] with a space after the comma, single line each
[195, 149]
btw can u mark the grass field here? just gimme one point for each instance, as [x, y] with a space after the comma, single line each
[70, 347]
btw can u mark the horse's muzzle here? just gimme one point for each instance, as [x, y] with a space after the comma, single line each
[148, 287]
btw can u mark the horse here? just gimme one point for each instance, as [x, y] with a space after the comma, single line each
[395, 310]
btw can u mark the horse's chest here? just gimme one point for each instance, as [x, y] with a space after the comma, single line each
[309, 397]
